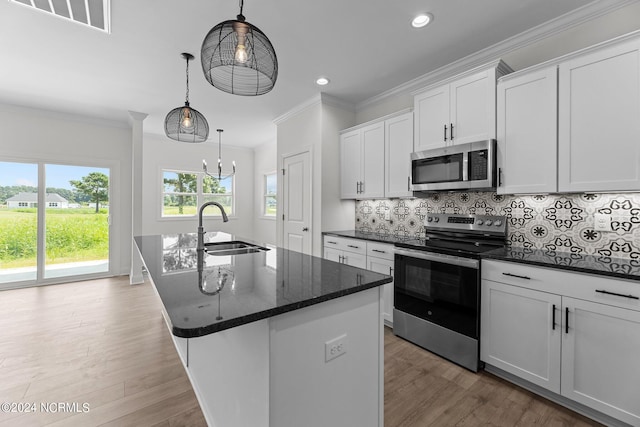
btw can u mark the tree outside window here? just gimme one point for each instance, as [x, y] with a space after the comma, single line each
[184, 192]
[270, 194]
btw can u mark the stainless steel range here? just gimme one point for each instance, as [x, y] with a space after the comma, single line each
[437, 284]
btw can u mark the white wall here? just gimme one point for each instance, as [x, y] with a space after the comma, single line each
[315, 127]
[616, 23]
[159, 152]
[265, 162]
[69, 139]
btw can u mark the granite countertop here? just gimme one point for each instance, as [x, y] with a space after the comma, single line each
[259, 285]
[593, 264]
[374, 237]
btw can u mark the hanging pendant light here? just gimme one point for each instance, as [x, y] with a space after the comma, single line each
[233, 163]
[238, 58]
[185, 123]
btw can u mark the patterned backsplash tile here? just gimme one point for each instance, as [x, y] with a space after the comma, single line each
[555, 222]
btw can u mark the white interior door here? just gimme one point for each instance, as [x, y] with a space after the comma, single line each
[296, 202]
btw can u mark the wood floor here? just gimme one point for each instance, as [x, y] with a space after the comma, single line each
[104, 344]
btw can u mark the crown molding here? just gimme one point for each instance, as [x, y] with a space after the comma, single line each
[557, 25]
[60, 115]
[320, 98]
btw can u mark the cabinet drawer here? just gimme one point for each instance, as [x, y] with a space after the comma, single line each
[589, 287]
[350, 245]
[380, 250]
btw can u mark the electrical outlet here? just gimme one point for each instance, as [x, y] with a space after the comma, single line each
[602, 222]
[334, 348]
[387, 215]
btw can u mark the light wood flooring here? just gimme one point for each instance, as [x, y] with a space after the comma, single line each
[104, 343]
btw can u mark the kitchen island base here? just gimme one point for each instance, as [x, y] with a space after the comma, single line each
[274, 372]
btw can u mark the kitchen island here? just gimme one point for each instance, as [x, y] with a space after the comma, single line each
[275, 337]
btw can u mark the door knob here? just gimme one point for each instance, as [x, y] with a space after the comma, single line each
[305, 229]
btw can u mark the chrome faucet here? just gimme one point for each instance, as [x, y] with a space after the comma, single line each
[201, 232]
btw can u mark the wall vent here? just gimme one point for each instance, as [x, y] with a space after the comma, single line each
[92, 13]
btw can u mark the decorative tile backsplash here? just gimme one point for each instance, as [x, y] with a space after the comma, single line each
[555, 222]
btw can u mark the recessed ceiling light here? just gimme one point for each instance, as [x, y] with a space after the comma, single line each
[322, 81]
[421, 20]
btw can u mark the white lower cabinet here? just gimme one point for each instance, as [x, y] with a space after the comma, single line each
[372, 256]
[576, 335]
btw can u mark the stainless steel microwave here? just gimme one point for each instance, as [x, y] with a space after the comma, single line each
[470, 166]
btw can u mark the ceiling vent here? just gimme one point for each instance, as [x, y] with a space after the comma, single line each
[93, 13]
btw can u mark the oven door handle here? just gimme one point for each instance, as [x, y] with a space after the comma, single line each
[446, 259]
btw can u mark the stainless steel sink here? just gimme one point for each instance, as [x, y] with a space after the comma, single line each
[235, 247]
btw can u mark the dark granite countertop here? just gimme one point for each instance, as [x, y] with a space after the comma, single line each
[593, 264]
[259, 285]
[374, 237]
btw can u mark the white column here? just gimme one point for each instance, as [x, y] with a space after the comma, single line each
[136, 119]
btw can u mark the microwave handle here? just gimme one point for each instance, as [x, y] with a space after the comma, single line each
[465, 165]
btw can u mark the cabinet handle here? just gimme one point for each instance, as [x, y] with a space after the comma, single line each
[344, 259]
[451, 131]
[618, 295]
[354, 247]
[340, 259]
[515, 275]
[390, 271]
[499, 177]
[305, 229]
[553, 317]
[361, 186]
[445, 132]
[333, 243]
[566, 320]
[379, 251]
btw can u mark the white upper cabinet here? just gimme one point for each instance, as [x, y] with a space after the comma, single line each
[527, 132]
[398, 136]
[350, 161]
[372, 170]
[599, 120]
[460, 110]
[375, 158]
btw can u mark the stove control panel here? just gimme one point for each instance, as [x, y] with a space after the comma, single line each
[478, 223]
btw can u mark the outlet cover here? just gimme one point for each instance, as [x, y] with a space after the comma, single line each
[602, 222]
[334, 348]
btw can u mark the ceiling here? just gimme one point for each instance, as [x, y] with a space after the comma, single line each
[365, 47]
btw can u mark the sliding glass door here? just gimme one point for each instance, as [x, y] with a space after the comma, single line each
[54, 222]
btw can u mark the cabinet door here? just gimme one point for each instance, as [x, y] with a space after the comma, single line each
[527, 133]
[350, 164]
[518, 334]
[473, 108]
[431, 115]
[398, 148]
[599, 120]
[600, 358]
[372, 161]
[354, 259]
[332, 254]
[384, 266]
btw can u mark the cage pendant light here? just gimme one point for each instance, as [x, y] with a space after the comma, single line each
[238, 58]
[186, 124]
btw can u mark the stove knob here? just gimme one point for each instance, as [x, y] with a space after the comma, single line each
[479, 222]
[498, 223]
[488, 222]
[436, 219]
[429, 219]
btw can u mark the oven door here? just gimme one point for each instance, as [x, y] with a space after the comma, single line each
[441, 289]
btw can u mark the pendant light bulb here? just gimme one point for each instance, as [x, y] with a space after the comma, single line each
[187, 122]
[241, 54]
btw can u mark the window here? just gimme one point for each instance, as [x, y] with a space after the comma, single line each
[23, 204]
[184, 192]
[270, 191]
